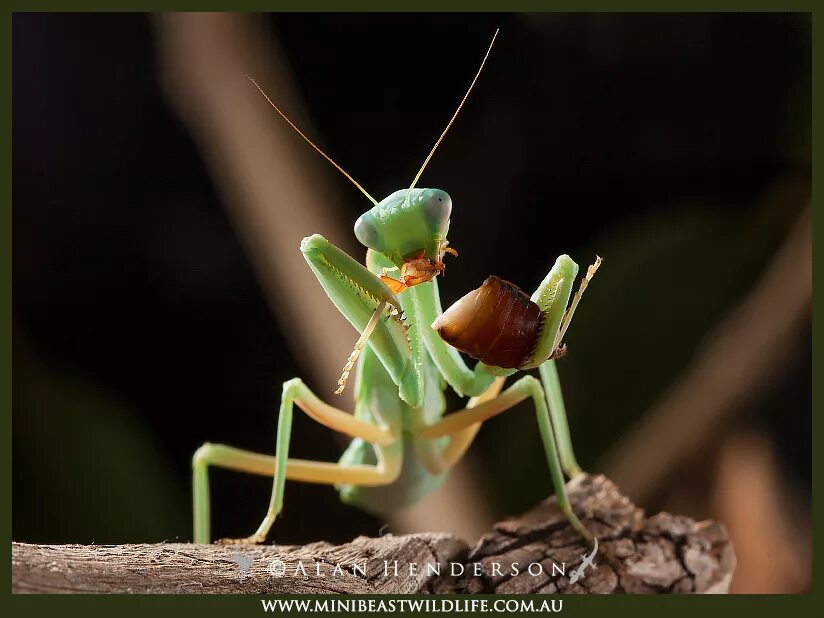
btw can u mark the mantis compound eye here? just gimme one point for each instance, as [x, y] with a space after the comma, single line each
[366, 233]
[437, 206]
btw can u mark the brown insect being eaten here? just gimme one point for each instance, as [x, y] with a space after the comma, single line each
[497, 323]
[417, 269]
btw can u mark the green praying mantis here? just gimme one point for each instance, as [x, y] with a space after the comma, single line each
[403, 445]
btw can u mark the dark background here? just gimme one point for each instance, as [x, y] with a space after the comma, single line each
[677, 146]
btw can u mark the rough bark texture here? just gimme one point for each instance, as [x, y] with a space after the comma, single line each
[664, 553]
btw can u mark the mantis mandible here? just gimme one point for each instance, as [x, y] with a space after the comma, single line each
[402, 443]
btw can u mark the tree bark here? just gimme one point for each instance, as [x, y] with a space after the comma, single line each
[659, 554]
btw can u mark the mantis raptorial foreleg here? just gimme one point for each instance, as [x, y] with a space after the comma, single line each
[364, 337]
[357, 293]
[552, 385]
[526, 387]
[281, 468]
[591, 270]
[529, 334]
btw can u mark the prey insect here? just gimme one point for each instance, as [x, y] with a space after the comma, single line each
[403, 444]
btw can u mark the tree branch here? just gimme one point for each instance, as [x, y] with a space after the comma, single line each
[663, 553]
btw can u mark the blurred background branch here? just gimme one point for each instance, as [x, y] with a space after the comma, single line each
[273, 186]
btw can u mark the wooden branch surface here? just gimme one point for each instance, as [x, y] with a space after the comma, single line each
[659, 554]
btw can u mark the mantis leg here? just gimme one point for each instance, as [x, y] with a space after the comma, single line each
[326, 473]
[525, 387]
[552, 297]
[557, 412]
[281, 468]
[358, 294]
[557, 286]
[438, 461]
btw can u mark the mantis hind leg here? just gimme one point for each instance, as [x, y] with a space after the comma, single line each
[526, 387]
[231, 458]
[281, 468]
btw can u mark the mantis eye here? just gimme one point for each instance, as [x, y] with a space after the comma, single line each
[438, 207]
[365, 232]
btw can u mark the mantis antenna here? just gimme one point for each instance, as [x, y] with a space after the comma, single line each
[308, 141]
[455, 115]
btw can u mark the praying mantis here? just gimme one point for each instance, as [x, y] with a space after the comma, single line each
[403, 445]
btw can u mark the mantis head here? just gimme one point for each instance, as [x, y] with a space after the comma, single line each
[409, 228]
[406, 224]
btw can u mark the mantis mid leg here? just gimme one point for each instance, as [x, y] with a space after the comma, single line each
[558, 285]
[557, 411]
[440, 459]
[527, 386]
[460, 441]
[387, 447]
